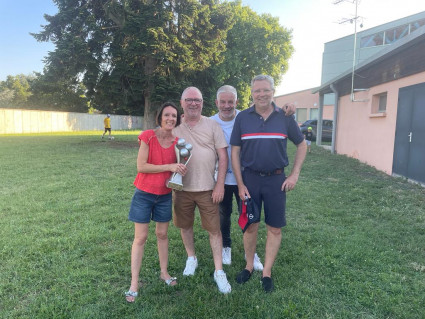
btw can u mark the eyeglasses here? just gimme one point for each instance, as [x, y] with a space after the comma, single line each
[196, 101]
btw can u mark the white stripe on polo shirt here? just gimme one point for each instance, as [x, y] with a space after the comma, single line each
[263, 135]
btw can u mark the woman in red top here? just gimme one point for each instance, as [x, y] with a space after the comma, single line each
[152, 198]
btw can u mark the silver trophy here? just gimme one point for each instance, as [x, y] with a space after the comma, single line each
[183, 154]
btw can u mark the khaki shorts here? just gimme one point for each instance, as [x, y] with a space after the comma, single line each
[184, 210]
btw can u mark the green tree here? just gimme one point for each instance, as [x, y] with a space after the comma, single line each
[6, 96]
[42, 92]
[128, 56]
[131, 55]
[15, 91]
[256, 44]
[60, 94]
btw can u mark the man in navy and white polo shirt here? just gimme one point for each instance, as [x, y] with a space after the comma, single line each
[226, 102]
[259, 141]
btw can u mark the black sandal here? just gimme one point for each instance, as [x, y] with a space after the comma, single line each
[243, 276]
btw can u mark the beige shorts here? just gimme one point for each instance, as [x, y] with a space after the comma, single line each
[184, 210]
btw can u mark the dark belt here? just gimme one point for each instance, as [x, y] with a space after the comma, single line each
[260, 173]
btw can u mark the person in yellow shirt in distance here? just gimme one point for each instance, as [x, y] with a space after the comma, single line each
[107, 124]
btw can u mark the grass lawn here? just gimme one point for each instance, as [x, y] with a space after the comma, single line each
[353, 246]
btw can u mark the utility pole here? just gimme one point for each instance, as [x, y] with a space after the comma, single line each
[354, 20]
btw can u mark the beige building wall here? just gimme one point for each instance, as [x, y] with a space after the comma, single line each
[13, 121]
[305, 100]
[365, 134]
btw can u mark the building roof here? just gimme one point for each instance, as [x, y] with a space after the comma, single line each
[383, 27]
[403, 58]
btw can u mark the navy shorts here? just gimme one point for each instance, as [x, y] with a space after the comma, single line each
[146, 207]
[267, 190]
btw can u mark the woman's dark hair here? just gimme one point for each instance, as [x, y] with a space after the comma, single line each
[163, 106]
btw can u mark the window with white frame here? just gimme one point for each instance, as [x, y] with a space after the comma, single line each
[301, 115]
[379, 103]
[382, 107]
[391, 35]
[314, 113]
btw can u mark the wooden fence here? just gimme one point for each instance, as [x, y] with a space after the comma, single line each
[16, 121]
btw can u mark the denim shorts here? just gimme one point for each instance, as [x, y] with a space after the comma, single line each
[146, 207]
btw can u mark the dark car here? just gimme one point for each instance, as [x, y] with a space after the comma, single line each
[327, 126]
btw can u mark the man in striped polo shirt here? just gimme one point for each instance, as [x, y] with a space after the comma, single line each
[259, 140]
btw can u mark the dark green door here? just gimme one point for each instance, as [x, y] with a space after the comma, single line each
[409, 144]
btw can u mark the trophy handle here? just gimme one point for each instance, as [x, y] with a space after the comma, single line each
[189, 157]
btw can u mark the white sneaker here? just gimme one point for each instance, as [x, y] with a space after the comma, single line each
[191, 265]
[226, 255]
[257, 263]
[222, 283]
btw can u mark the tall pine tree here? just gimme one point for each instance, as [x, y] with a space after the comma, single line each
[132, 55]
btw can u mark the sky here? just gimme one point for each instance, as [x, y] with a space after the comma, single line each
[313, 23]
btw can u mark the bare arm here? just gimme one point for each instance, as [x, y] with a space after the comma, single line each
[292, 179]
[218, 192]
[144, 167]
[236, 165]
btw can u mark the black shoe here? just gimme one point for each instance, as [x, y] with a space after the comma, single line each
[243, 276]
[267, 284]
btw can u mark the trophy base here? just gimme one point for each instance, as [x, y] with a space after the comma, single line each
[176, 186]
